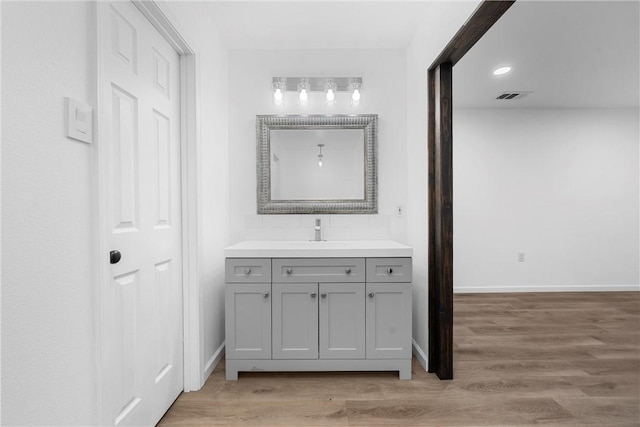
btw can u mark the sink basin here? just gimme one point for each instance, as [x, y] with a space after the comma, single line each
[313, 249]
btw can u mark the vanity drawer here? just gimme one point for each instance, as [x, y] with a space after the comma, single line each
[247, 270]
[316, 270]
[381, 270]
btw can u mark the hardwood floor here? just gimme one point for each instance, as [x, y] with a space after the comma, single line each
[519, 359]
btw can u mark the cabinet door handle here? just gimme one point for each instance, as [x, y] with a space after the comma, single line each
[389, 270]
[313, 294]
[323, 295]
[289, 271]
[266, 294]
[247, 271]
[371, 294]
[348, 271]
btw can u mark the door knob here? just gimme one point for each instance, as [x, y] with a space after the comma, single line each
[389, 270]
[289, 271]
[313, 294]
[114, 257]
[371, 294]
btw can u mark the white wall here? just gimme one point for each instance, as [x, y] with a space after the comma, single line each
[560, 186]
[383, 72]
[442, 22]
[48, 361]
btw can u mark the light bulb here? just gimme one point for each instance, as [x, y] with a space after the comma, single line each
[330, 95]
[320, 163]
[278, 97]
[356, 95]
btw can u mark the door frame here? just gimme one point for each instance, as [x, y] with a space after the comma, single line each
[189, 147]
[440, 189]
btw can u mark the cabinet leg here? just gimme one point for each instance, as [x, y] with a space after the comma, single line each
[405, 371]
[232, 374]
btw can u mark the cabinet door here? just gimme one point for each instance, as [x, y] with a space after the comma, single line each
[295, 320]
[342, 321]
[388, 320]
[248, 321]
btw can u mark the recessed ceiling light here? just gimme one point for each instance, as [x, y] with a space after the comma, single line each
[500, 71]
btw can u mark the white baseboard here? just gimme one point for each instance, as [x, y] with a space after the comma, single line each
[213, 362]
[545, 288]
[420, 355]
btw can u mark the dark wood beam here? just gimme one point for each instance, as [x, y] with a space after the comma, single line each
[434, 329]
[440, 200]
[483, 18]
[441, 221]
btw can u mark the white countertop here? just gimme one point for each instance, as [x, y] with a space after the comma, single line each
[312, 249]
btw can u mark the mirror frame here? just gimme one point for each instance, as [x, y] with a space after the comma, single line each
[367, 122]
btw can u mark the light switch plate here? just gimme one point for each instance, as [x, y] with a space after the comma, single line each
[79, 121]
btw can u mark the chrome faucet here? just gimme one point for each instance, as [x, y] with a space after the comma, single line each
[318, 231]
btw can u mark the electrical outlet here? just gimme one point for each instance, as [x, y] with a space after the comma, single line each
[521, 256]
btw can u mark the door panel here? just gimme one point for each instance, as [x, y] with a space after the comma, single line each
[142, 309]
[248, 321]
[295, 320]
[388, 320]
[125, 146]
[342, 321]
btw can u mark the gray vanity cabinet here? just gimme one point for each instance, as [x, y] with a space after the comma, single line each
[318, 314]
[318, 320]
[248, 308]
[389, 308]
[318, 308]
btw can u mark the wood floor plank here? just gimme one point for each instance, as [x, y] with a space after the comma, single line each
[519, 359]
[609, 411]
[446, 412]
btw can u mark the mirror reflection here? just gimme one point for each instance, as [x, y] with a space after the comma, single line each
[317, 164]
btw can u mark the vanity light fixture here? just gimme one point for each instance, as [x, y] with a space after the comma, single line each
[304, 86]
[320, 155]
[502, 70]
[303, 92]
[279, 88]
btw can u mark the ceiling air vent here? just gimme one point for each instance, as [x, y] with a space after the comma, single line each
[514, 94]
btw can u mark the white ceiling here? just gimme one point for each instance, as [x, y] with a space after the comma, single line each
[570, 54]
[318, 24]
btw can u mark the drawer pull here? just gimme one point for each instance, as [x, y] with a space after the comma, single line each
[389, 270]
[348, 271]
[313, 294]
[247, 271]
[371, 294]
[289, 271]
[323, 295]
[266, 295]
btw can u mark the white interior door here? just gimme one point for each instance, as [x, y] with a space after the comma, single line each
[142, 350]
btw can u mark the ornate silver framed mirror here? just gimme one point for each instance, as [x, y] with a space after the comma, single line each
[317, 164]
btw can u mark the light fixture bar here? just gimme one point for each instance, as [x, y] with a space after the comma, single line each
[317, 84]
